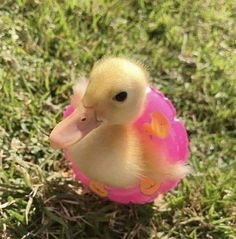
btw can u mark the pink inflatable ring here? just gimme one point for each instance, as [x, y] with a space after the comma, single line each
[171, 138]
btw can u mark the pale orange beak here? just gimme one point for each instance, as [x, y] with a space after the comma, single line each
[74, 127]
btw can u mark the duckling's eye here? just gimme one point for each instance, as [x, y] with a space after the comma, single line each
[121, 96]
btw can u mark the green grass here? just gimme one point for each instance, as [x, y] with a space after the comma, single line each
[189, 48]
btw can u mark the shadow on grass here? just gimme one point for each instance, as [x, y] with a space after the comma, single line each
[61, 210]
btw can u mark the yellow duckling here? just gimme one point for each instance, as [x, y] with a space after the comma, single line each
[99, 133]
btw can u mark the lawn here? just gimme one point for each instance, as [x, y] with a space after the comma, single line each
[189, 47]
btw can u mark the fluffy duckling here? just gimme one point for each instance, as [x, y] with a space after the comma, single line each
[100, 135]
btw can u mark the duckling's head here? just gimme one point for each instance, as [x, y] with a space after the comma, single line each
[116, 90]
[115, 96]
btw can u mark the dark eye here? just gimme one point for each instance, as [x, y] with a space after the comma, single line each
[121, 96]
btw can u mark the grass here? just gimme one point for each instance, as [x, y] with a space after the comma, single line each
[189, 48]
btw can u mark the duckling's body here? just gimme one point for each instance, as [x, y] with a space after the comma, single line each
[118, 158]
[112, 151]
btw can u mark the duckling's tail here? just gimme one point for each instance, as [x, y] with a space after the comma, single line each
[179, 171]
[169, 171]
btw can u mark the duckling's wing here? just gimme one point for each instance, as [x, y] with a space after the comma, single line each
[79, 90]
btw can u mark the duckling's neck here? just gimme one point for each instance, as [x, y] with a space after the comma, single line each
[105, 134]
[111, 131]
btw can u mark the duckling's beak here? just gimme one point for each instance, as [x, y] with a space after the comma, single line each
[74, 127]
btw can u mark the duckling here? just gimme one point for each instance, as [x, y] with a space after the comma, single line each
[99, 134]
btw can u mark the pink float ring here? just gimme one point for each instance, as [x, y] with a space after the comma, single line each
[174, 146]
